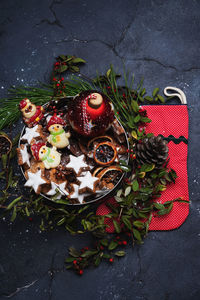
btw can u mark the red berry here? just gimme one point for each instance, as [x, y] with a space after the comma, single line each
[80, 272]
[111, 260]
[74, 262]
[62, 78]
[54, 79]
[124, 242]
[101, 247]
[57, 84]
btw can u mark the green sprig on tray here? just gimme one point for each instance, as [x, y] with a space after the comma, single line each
[136, 197]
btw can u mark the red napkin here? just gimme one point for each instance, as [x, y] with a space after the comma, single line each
[171, 121]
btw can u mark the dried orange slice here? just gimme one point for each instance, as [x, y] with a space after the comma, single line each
[109, 176]
[97, 171]
[105, 153]
[97, 139]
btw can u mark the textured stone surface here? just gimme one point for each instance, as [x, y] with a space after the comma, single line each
[157, 40]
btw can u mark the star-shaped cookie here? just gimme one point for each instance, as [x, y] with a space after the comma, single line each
[30, 134]
[77, 163]
[60, 187]
[87, 183]
[35, 181]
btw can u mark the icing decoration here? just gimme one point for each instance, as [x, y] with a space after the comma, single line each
[32, 114]
[50, 157]
[30, 134]
[25, 155]
[55, 120]
[76, 194]
[87, 182]
[76, 163]
[60, 187]
[35, 180]
[58, 137]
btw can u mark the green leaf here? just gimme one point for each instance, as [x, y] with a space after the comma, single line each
[62, 69]
[135, 106]
[147, 167]
[13, 203]
[134, 134]
[104, 242]
[148, 98]
[105, 255]
[137, 119]
[145, 120]
[73, 252]
[89, 253]
[61, 221]
[14, 214]
[120, 253]
[125, 168]
[138, 224]
[108, 73]
[74, 69]
[69, 259]
[143, 92]
[137, 234]
[97, 261]
[78, 60]
[63, 57]
[69, 267]
[4, 159]
[117, 226]
[158, 205]
[127, 191]
[161, 98]
[27, 211]
[135, 185]
[112, 245]
[155, 92]
[127, 222]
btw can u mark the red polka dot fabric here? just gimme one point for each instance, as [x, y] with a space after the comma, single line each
[167, 120]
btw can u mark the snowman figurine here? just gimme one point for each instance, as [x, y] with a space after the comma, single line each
[31, 113]
[49, 156]
[58, 137]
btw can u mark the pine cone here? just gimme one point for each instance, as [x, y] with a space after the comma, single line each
[152, 150]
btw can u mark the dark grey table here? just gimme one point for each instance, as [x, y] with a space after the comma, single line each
[158, 40]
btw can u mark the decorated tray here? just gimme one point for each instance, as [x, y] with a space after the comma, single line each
[70, 150]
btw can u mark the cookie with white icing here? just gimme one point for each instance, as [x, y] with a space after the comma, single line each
[58, 188]
[35, 180]
[77, 164]
[23, 155]
[76, 196]
[33, 133]
[87, 183]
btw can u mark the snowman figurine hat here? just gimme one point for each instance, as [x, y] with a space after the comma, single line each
[55, 120]
[35, 148]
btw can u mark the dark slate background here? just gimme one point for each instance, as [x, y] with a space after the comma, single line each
[158, 40]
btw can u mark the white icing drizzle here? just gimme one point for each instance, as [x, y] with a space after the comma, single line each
[76, 163]
[30, 134]
[25, 155]
[87, 181]
[34, 180]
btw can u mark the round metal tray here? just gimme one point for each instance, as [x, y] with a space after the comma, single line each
[97, 197]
